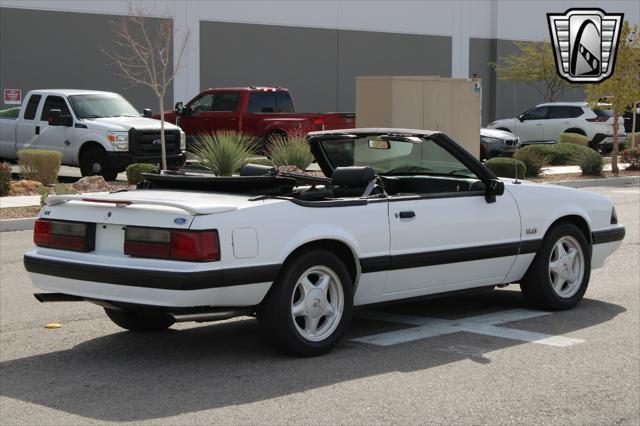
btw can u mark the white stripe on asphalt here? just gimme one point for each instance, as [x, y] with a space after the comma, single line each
[425, 327]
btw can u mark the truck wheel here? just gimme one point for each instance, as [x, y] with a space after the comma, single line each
[137, 321]
[559, 274]
[309, 307]
[94, 162]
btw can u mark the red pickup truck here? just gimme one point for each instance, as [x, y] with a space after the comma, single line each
[260, 111]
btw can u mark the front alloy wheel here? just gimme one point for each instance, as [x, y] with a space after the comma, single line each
[559, 274]
[566, 267]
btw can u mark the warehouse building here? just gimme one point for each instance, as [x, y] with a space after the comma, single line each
[314, 48]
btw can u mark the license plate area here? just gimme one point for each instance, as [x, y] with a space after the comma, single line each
[109, 238]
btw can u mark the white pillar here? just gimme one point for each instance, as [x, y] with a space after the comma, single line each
[460, 40]
[186, 17]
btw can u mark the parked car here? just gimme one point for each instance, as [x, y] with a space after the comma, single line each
[547, 121]
[100, 132]
[259, 111]
[298, 254]
[497, 143]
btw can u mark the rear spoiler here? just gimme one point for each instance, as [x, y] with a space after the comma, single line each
[193, 208]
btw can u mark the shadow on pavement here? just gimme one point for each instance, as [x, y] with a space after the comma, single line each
[134, 377]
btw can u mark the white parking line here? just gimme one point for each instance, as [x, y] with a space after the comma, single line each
[482, 324]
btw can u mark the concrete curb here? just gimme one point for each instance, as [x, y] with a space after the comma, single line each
[23, 224]
[586, 183]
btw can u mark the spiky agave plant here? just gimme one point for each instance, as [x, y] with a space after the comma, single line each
[290, 150]
[224, 152]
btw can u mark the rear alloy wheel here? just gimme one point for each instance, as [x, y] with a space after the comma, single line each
[94, 162]
[309, 307]
[559, 275]
[139, 321]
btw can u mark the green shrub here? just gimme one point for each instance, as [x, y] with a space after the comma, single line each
[10, 113]
[291, 150]
[224, 152]
[534, 162]
[135, 171]
[5, 179]
[590, 162]
[506, 167]
[631, 156]
[261, 161]
[39, 165]
[573, 138]
[561, 154]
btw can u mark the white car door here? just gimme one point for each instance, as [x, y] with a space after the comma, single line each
[28, 127]
[451, 241]
[558, 120]
[55, 138]
[530, 126]
[444, 234]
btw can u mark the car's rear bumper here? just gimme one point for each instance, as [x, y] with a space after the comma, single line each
[221, 287]
[605, 141]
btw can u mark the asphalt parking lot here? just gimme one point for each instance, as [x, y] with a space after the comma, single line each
[439, 361]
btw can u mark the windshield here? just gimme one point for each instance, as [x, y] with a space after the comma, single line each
[409, 156]
[96, 106]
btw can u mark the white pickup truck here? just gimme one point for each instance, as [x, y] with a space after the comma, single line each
[100, 132]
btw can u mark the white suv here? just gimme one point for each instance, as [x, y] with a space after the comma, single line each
[546, 122]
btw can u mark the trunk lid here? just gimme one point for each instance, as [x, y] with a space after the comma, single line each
[154, 208]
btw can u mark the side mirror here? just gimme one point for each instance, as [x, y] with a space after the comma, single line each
[179, 108]
[493, 188]
[147, 113]
[520, 117]
[56, 118]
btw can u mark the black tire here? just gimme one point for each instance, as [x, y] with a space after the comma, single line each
[537, 284]
[94, 162]
[139, 321]
[275, 312]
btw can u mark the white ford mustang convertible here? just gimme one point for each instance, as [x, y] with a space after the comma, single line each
[402, 214]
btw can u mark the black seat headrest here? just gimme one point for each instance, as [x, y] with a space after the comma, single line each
[355, 176]
[257, 170]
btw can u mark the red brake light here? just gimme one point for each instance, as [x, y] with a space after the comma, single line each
[41, 233]
[318, 121]
[64, 235]
[598, 119]
[196, 246]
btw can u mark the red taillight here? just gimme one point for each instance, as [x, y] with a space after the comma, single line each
[195, 246]
[598, 119]
[318, 121]
[41, 233]
[63, 235]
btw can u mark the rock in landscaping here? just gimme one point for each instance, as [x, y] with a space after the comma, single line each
[25, 187]
[91, 184]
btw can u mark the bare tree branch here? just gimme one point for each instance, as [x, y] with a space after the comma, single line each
[143, 54]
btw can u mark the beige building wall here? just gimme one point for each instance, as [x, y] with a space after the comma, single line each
[448, 105]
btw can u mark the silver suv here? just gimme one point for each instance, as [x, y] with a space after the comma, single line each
[547, 121]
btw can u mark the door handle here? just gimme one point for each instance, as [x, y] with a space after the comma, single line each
[67, 143]
[37, 130]
[407, 215]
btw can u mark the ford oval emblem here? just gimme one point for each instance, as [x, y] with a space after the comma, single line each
[179, 220]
